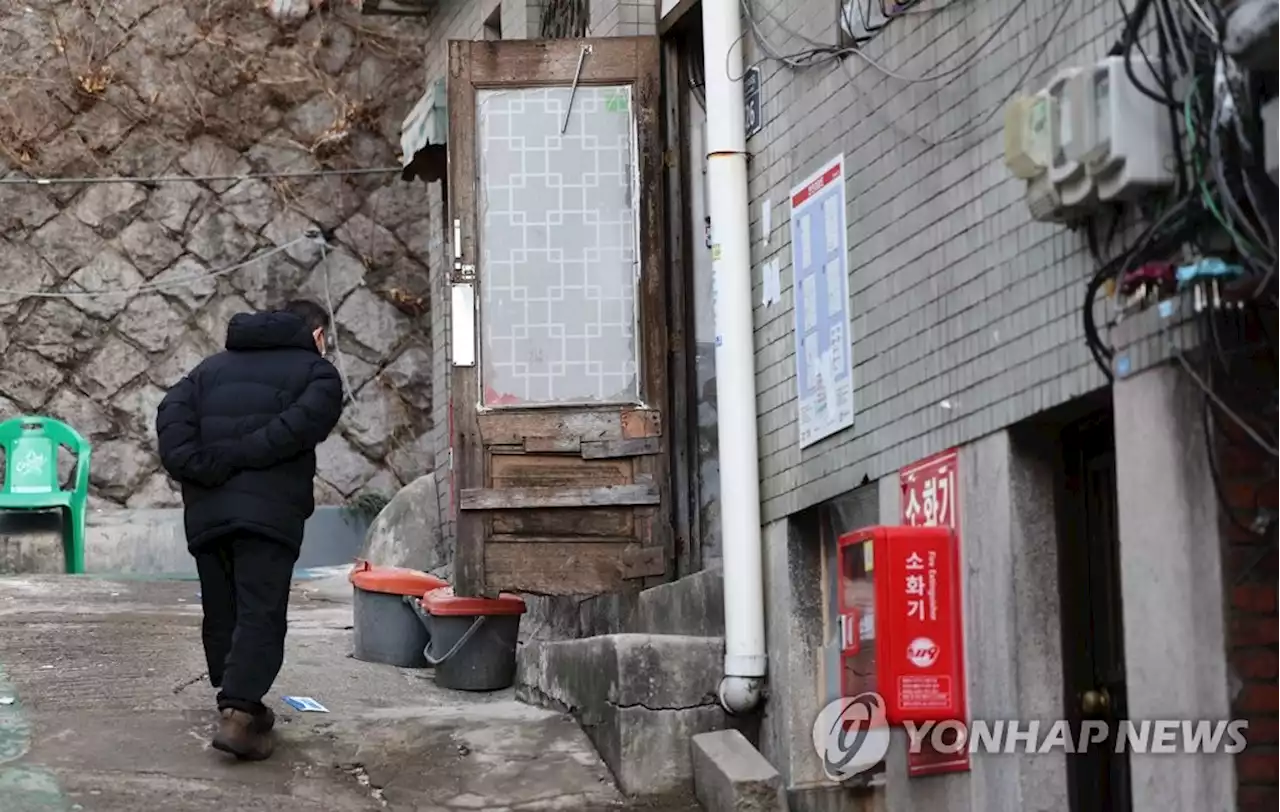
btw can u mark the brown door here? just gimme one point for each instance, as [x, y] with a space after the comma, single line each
[558, 316]
[1093, 630]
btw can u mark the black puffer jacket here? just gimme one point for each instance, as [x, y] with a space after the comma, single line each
[240, 431]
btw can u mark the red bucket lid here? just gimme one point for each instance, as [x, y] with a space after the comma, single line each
[393, 580]
[443, 602]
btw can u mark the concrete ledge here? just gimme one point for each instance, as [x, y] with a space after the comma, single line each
[152, 541]
[693, 605]
[31, 542]
[639, 697]
[730, 775]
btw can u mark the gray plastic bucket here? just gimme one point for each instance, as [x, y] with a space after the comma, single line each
[470, 652]
[385, 629]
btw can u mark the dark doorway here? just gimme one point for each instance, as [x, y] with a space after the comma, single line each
[1092, 621]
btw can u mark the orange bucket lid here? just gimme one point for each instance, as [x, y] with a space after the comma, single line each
[393, 580]
[441, 601]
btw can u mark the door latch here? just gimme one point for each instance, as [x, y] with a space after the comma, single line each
[464, 272]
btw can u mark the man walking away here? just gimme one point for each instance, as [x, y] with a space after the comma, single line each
[239, 433]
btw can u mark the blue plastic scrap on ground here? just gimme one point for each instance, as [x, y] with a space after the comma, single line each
[305, 703]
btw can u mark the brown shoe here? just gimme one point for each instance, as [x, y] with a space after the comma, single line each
[266, 720]
[243, 736]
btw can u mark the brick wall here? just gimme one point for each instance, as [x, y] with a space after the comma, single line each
[1248, 482]
[956, 294]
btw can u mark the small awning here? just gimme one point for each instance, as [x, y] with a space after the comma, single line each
[425, 126]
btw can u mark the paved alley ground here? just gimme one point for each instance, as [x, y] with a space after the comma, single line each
[104, 707]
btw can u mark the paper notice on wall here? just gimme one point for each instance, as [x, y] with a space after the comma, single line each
[766, 220]
[806, 246]
[823, 328]
[812, 361]
[772, 281]
[835, 348]
[833, 276]
[809, 304]
[830, 399]
[831, 223]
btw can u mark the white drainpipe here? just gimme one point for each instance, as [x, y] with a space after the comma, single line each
[745, 657]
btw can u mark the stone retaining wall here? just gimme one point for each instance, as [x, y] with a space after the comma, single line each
[147, 89]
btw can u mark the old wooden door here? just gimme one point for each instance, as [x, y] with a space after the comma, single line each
[558, 316]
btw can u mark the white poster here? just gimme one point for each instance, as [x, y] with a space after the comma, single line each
[823, 329]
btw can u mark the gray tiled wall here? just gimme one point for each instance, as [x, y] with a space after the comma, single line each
[966, 313]
[623, 18]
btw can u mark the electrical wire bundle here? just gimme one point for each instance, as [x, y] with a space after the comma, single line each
[1218, 227]
[849, 12]
[871, 16]
[1224, 204]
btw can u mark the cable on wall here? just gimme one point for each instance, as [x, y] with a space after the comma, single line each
[317, 237]
[1217, 227]
[21, 180]
[154, 285]
[819, 53]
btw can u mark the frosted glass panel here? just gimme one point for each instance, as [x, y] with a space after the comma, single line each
[558, 246]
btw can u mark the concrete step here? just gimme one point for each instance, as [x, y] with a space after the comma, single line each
[639, 697]
[730, 775]
[692, 606]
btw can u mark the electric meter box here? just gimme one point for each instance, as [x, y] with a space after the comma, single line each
[1027, 142]
[1044, 203]
[1067, 96]
[901, 628]
[1271, 136]
[1127, 135]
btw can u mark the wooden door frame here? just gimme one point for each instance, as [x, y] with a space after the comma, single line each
[476, 65]
[683, 402]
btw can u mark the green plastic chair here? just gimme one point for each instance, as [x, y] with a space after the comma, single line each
[30, 446]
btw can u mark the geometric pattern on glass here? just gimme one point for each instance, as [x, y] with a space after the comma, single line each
[559, 260]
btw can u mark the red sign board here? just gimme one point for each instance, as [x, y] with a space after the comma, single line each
[930, 680]
[817, 186]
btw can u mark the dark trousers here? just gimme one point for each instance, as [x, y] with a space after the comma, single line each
[244, 585]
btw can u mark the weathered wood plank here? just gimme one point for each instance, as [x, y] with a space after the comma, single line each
[654, 524]
[553, 445]
[557, 471]
[505, 450]
[643, 562]
[468, 458]
[566, 523]
[638, 423]
[611, 449]
[682, 415]
[573, 568]
[514, 428]
[533, 498]
[620, 541]
[532, 63]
